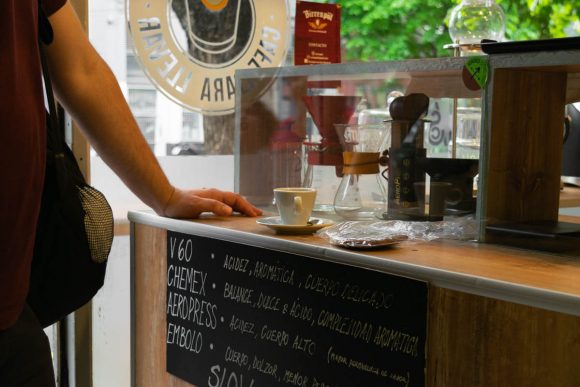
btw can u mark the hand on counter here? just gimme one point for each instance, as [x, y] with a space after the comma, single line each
[191, 203]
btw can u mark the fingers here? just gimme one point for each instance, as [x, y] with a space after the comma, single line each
[190, 204]
[215, 206]
[233, 200]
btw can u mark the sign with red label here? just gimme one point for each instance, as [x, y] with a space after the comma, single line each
[317, 33]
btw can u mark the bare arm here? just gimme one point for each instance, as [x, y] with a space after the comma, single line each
[88, 90]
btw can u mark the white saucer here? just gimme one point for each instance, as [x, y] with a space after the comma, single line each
[314, 224]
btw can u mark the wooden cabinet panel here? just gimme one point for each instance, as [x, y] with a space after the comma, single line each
[478, 341]
[526, 131]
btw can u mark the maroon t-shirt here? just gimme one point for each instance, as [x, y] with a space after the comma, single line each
[22, 148]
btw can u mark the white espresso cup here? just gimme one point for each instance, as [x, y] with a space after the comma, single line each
[295, 205]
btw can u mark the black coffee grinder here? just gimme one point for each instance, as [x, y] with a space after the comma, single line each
[408, 164]
[405, 159]
[405, 154]
[460, 174]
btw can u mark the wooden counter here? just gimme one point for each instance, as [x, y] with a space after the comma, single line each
[497, 316]
[538, 279]
[570, 197]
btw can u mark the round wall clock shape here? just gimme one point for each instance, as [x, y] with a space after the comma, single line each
[190, 49]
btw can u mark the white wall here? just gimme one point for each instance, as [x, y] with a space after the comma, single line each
[182, 171]
[111, 318]
[111, 306]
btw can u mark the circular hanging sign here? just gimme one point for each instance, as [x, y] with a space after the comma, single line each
[190, 49]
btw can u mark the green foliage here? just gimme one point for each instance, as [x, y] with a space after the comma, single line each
[540, 19]
[403, 29]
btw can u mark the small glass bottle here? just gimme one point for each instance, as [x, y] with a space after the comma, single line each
[286, 156]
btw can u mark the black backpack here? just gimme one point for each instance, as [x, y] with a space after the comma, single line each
[74, 232]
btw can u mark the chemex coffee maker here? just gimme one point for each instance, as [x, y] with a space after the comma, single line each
[324, 158]
[449, 189]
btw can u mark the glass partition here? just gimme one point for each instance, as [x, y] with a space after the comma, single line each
[500, 148]
[294, 121]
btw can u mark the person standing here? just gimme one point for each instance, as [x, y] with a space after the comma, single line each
[88, 90]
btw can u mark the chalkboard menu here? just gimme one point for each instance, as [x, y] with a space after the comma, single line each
[243, 316]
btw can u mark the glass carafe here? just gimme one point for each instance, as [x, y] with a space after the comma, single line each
[324, 154]
[286, 158]
[361, 193]
[474, 20]
[323, 173]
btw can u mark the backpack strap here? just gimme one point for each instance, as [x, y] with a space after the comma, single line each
[46, 36]
[44, 28]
